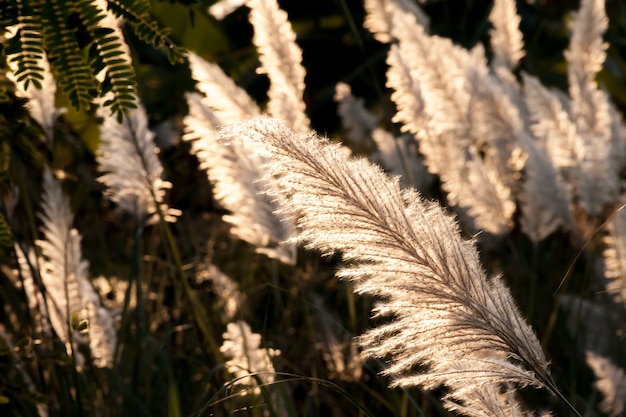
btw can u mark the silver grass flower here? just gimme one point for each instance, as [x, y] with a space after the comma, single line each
[400, 156]
[229, 102]
[543, 198]
[469, 183]
[223, 8]
[590, 107]
[446, 316]
[229, 299]
[471, 130]
[133, 174]
[553, 128]
[239, 185]
[69, 293]
[379, 17]
[357, 121]
[42, 316]
[506, 39]
[435, 104]
[339, 349]
[281, 60]
[615, 255]
[396, 155]
[247, 360]
[610, 382]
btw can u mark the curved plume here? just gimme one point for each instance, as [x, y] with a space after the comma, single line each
[461, 327]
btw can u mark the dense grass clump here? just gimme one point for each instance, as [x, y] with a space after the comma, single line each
[369, 208]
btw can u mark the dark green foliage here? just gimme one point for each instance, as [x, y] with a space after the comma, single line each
[70, 34]
[27, 48]
[137, 15]
[68, 63]
[109, 54]
[6, 241]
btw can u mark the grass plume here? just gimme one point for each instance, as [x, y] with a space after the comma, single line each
[447, 317]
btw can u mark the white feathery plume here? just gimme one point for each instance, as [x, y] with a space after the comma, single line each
[496, 123]
[63, 268]
[615, 255]
[239, 186]
[133, 174]
[468, 182]
[379, 17]
[65, 276]
[461, 327]
[339, 349]
[507, 40]
[544, 200]
[437, 68]
[247, 360]
[399, 156]
[598, 182]
[230, 299]
[396, 154]
[112, 291]
[223, 8]
[610, 382]
[229, 102]
[553, 128]
[357, 121]
[42, 316]
[281, 60]
[512, 88]
[41, 102]
[490, 400]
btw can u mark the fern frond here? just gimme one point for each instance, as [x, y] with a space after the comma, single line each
[281, 60]
[133, 175]
[461, 327]
[239, 185]
[137, 14]
[67, 62]
[41, 101]
[10, 15]
[112, 54]
[506, 39]
[25, 50]
[6, 237]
